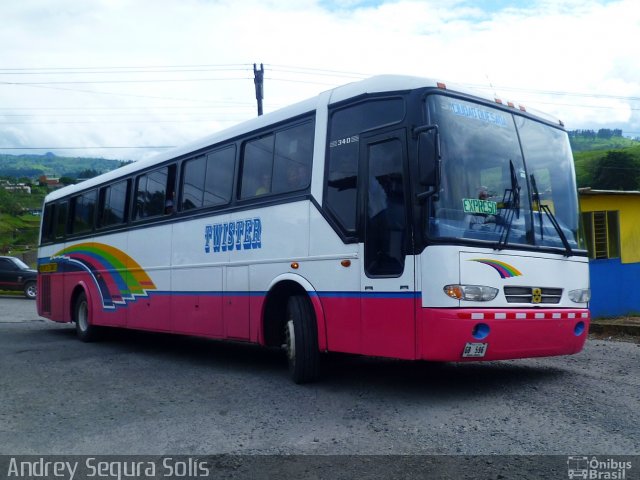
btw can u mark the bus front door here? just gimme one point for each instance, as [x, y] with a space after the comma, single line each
[387, 277]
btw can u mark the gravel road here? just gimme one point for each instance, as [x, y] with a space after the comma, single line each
[156, 394]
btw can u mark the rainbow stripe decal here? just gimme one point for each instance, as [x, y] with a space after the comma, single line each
[118, 276]
[504, 269]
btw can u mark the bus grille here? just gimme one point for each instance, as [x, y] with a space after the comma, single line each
[45, 293]
[549, 296]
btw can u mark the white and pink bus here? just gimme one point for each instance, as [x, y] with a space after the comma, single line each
[394, 217]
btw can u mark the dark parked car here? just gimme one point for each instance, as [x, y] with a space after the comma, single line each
[16, 275]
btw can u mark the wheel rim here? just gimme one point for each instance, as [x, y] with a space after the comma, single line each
[290, 341]
[83, 316]
[32, 291]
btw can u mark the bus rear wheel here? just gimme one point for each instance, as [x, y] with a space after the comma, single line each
[301, 340]
[84, 329]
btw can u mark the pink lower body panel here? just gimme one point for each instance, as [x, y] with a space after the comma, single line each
[445, 334]
[385, 325]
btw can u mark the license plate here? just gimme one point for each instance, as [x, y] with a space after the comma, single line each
[475, 350]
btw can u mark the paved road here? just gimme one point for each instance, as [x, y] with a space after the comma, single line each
[156, 394]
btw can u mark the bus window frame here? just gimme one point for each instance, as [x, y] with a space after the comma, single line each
[71, 213]
[169, 188]
[101, 205]
[355, 235]
[65, 232]
[272, 197]
[204, 155]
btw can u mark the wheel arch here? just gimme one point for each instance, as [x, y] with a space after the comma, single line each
[275, 306]
[77, 290]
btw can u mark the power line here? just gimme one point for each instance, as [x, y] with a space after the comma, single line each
[96, 92]
[202, 120]
[88, 148]
[318, 71]
[97, 82]
[123, 69]
[146, 107]
[554, 92]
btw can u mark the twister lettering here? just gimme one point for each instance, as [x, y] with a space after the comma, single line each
[240, 235]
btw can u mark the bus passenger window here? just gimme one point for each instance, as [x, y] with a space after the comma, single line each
[153, 189]
[257, 167]
[193, 183]
[219, 180]
[47, 223]
[83, 207]
[113, 204]
[61, 219]
[293, 156]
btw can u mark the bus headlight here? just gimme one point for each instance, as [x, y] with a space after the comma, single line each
[471, 293]
[582, 295]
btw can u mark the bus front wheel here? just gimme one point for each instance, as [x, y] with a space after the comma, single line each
[84, 329]
[301, 340]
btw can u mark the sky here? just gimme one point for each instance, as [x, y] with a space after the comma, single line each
[125, 79]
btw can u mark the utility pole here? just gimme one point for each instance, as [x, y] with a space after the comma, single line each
[258, 80]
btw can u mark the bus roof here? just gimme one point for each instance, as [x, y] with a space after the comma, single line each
[372, 85]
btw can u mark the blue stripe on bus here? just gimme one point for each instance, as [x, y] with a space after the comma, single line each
[366, 294]
[326, 294]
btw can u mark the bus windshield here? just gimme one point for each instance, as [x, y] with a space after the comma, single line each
[505, 179]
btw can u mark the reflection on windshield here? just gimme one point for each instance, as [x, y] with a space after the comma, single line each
[485, 191]
[21, 264]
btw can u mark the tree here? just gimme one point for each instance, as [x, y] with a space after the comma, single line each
[616, 171]
[88, 173]
[8, 203]
[67, 180]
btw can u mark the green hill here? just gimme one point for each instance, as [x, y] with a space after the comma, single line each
[603, 139]
[582, 144]
[590, 152]
[18, 234]
[32, 166]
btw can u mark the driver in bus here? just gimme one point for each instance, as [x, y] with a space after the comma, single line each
[477, 220]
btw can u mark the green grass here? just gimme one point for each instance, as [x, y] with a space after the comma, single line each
[584, 144]
[585, 162]
[18, 233]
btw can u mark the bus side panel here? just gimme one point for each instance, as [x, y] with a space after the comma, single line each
[50, 298]
[337, 285]
[256, 313]
[270, 240]
[57, 298]
[236, 307]
[112, 270]
[149, 264]
[200, 313]
[342, 314]
[197, 278]
[388, 327]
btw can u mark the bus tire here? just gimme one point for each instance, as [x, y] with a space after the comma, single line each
[30, 290]
[84, 329]
[301, 340]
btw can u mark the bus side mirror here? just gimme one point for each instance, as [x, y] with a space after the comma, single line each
[429, 156]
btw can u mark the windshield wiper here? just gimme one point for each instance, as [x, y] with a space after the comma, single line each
[510, 198]
[552, 218]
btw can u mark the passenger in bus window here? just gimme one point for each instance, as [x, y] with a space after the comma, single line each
[265, 184]
[168, 205]
[297, 177]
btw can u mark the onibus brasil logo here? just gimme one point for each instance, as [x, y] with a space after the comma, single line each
[597, 468]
